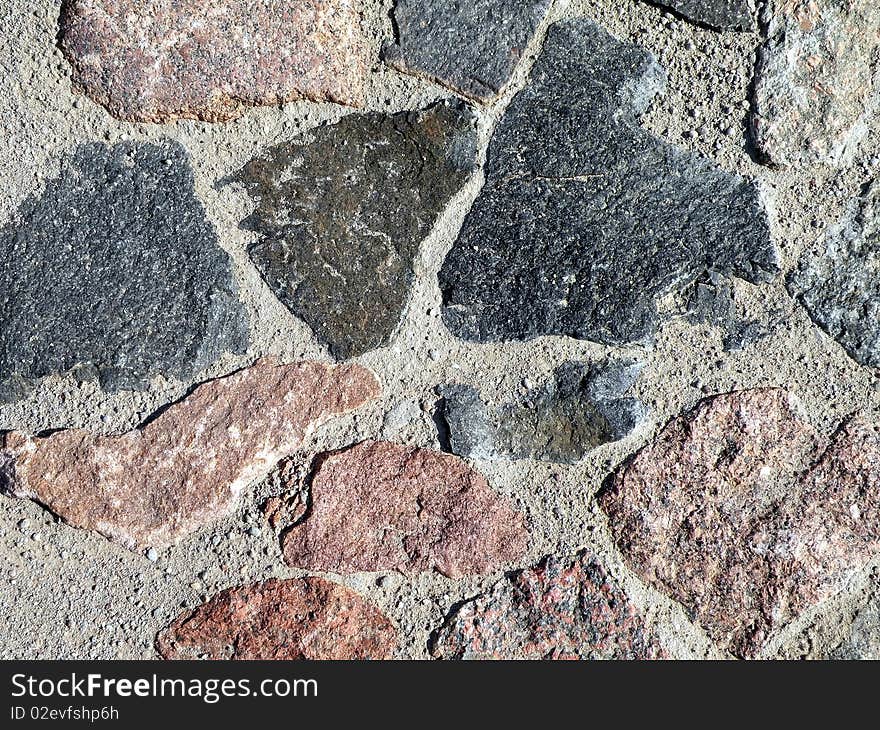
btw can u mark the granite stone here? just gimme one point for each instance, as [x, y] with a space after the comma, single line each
[717, 14]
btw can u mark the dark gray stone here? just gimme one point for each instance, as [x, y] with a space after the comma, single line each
[717, 14]
[837, 283]
[586, 219]
[341, 212]
[114, 272]
[583, 407]
[471, 47]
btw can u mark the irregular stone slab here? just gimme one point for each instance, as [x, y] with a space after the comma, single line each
[117, 261]
[586, 219]
[379, 506]
[186, 466]
[837, 283]
[342, 210]
[744, 514]
[159, 60]
[583, 407]
[560, 609]
[817, 82]
[717, 14]
[303, 618]
[473, 48]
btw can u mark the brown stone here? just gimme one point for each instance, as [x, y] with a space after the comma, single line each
[186, 466]
[378, 506]
[747, 516]
[158, 60]
[304, 618]
[561, 609]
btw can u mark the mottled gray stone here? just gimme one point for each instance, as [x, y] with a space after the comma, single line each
[114, 272]
[582, 407]
[711, 301]
[342, 210]
[586, 219]
[837, 283]
[471, 47]
[863, 639]
[717, 14]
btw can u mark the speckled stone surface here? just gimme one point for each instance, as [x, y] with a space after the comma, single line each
[186, 466]
[114, 273]
[586, 219]
[563, 608]
[158, 60]
[817, 80]
[341, 213]
[581, 407]
[472, 47]
[746, 515]
[302, 618]
[717, 14]
[379, 506]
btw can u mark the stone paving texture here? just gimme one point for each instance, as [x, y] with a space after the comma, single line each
[718, 14]
[341, 214]
[553, 244]
[139, 285]
[158, 60]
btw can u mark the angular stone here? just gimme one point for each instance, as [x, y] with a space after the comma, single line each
[560, 609]
[159, 60]
[582, 407]
[303, 618]
[717, 14]
[473, 48]
[817, 82]
[747, 516]
[837, 282]
[187, 465]
[586, 219]
[117, 261]
[342, 210]
[378, 507]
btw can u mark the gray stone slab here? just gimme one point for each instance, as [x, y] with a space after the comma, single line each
[342, 210]
[717, 14]
[471, 47]
[586, 219]
[115, 273]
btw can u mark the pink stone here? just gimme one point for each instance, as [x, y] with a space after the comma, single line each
[305, 618]
[187, 466]
[378, 506]
[159, 60]
[564, 608]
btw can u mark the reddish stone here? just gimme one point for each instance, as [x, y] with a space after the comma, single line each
[747, 516]
[304, 618]
[561, 609]
[184, 468]
[158, 60]
[378, 506]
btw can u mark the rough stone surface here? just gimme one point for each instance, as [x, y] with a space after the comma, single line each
[863, 638]
[837, 282]
[186, 466]
[586, 219]
[561, 609]
[817, 80]
[717, 14]
[470, 47]
[114, 272]
[582, 407]
[158, 60]
[304, 618]
[341, 213]
[379, 506]
[744, 514]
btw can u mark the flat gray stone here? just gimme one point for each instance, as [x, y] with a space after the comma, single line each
[582, 407]
[837, 282]
[341, 212]
[115, 273]
[586, 219]
[471, 47]
[717, 14]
